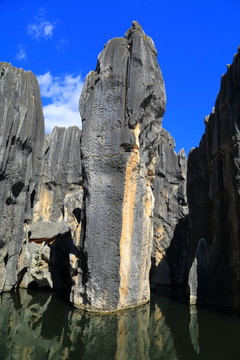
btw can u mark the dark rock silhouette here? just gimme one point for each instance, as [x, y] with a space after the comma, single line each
[213, 195]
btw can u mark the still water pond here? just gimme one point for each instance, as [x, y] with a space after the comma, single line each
[40, 326]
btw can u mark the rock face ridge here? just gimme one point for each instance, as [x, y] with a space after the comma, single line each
[213, 195]
[122, 104]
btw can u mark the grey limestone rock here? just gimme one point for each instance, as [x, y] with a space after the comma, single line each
[122, 105]
[213, 195]
[21, 150]
[48, 230]
[37, 274]
[170, 246]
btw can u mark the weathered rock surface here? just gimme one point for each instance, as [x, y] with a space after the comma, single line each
[21, 145]
[214, 200]
[56, 215]
[121, 105]
[169, 256]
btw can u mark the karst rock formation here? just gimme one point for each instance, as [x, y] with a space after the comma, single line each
[103, 212]
[91, 212]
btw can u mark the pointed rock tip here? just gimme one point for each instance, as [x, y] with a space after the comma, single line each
[135, 27]
[182, 153]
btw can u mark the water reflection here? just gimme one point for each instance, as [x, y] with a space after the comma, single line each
[40, 326]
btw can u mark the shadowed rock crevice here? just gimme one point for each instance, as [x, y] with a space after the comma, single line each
[48, 248]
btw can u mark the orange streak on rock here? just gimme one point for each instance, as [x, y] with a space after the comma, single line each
[41, 240]
[131, 177]
[43, 208]
[148, 206]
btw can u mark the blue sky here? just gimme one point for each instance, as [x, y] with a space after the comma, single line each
[60, 41]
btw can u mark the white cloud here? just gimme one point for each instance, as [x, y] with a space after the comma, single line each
[42, 28]
[21, 54]
[48, 29]
[62, 94]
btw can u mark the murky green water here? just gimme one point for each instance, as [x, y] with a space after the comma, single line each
[40, 326]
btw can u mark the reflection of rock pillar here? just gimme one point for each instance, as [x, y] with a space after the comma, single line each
[193, 328]
[193, 282]
[122, 104]
[133, 335]
[160, 335]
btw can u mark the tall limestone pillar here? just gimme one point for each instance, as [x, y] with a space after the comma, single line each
[121, 105]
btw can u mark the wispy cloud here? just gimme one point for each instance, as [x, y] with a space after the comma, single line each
[62, 95]
[62, 44]
[41, 28]
[21, 54]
